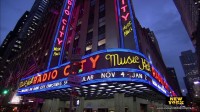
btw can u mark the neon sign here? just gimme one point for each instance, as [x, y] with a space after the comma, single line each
[124, 64]
[175, 101]
[61, 33]
[126, 25]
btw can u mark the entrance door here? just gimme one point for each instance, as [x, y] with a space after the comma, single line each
[87, 110]
[103, 110]
[66, 109]
[143, 107]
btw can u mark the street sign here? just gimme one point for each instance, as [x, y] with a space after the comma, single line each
[74, 80]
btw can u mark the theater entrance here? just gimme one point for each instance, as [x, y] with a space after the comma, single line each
[102, 109]
[87, 110]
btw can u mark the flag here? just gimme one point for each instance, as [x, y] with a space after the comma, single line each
[9, 79]
[14, 76]
[31, 67]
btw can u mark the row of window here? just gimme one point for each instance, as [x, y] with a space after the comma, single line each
[101, 27]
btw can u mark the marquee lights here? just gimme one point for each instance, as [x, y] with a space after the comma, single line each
[121, 64]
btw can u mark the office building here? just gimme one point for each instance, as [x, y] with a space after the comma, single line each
[190, 14]
[190, 66]
[11, 46]
[174, 80]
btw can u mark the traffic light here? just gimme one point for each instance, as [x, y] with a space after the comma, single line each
[77, 67]
[5, 91]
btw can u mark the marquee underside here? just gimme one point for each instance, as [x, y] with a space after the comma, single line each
[104, 90]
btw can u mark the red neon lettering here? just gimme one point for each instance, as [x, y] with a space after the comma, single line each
[54, 74]
[124, 8]
[44, 78]
[59, 41]
[65, 70]
[63, 27]
[125, 17]
[67, 12]
[94, 61]
[69, 3]
[64, 21]
[153, 72]
[61, 34]
[49, 76]
[39, 79]
[123, 2]
[35, 80]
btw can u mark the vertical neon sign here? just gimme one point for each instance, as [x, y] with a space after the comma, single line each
[61, 33]
[127, 25]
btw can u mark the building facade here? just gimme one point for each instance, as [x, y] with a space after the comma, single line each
[189, 12]
[190, 66]
[121, 67]
[11, 46]
[190, 15]
[174, 80]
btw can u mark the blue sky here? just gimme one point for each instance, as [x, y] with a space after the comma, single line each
[160, 16]
[163, 18]
[10, 13]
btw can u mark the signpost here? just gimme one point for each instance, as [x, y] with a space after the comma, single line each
[74, 80]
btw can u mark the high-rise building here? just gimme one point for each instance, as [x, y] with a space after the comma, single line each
[189, 63]
[11, 46]
[190, 66]
[174, 80]
[100, 44]
[190, 15]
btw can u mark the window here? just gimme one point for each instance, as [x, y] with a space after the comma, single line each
[101, 21]
[89, 36]
[102, 30]
[101, 44]
[101, 8]
[92, 2]
[88, 52]
[102, 47]
[88, 49]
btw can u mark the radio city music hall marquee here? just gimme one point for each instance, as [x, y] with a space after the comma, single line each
[104, 65]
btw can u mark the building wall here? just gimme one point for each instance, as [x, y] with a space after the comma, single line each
[132, 104]
[189, 15]
[190, 66]
[174, 81]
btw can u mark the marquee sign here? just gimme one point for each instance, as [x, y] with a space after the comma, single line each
[126, 25]
[61, 34]
[107, 65]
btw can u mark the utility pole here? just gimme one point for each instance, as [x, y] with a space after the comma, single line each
[74, 80]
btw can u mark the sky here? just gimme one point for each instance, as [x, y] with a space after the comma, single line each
[10, 13]
[161, 16]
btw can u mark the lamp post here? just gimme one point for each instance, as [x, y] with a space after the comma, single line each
[76, 58]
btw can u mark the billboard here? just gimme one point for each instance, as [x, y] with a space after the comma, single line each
[109, 65]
